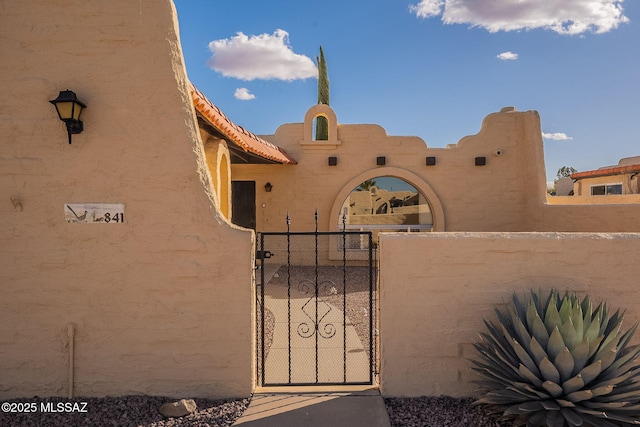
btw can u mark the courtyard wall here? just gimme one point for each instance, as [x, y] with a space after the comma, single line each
[436, 289]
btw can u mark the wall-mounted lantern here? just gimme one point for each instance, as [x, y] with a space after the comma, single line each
[69, 109]
[268, 187]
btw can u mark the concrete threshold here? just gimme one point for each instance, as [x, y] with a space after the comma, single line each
[315, 407]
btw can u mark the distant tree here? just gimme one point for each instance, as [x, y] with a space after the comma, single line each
[322, 125]
[366, 185]
[565, 172]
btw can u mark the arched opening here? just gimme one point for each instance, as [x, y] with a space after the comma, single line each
[386, 203]
[320, 128]
[431, 220]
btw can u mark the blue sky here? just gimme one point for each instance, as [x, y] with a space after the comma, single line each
[430, 68]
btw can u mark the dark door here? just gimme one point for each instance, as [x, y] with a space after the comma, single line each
[243, 203]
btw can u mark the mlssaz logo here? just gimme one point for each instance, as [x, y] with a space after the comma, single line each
[63, 407]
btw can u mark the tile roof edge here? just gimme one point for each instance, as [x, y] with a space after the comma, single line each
[243, 138]
[614, 170]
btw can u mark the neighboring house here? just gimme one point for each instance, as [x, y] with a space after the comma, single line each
[620, 179]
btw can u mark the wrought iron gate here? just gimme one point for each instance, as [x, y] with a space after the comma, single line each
[316, 311]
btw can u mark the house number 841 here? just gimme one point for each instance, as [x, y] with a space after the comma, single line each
[119, 217]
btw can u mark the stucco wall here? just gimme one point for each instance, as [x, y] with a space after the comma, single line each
[601, 218]
[506, 194]
[436, 288]
[160, 304]
[494, 197]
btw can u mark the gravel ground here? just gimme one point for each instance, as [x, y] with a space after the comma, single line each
[330, 279]
[142, 411]
[439, 412]
[127, 411]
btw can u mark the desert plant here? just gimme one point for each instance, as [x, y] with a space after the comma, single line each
[322, 124]
[559, 362]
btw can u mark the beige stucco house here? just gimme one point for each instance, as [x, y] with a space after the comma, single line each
[163, 300]
[621, 179]
[619, 183]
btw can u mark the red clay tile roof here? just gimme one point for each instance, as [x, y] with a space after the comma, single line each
[244, 139]
[614, 170]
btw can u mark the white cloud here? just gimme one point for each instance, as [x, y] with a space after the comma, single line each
[243, 94]
[266, 56]
[427, 8]
[508, 56]
[562, 16]
[558, 136]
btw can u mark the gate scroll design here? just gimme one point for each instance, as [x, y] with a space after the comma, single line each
[316, 313]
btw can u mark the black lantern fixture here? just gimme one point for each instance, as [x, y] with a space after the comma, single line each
[268, 187]
[69, 109]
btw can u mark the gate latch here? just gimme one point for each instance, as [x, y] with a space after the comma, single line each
[263, 254]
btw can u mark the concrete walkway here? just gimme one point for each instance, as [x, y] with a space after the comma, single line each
[305, 408]
[329, 406]
[292, 355]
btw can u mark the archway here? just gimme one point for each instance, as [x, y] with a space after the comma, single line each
[387, 199]
[224, 193]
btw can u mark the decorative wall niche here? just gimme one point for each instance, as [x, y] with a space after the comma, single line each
[324, 111]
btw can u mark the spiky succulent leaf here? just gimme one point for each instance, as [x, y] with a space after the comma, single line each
[539, 331]
[549, 372]
[580, 395]
[627, 357]
[537, 351]
[566, 308]
[569, 334]
[577, 319]
[550, 405]
[527, 374]
[564, 362]
[593, 331]
[626, 337]
[573, 384]
[556, 344]
[590, 372]
[556, 361]
[531, 314]
[520, 328]
[525, 358]
[554, 389]
[519, 307]
[552, 317]
[603, 390]
[593, 346]
[580, 356]
[572, 417]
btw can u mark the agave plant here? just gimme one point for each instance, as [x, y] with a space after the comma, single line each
[559, 362]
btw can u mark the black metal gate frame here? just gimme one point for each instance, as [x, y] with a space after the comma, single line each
[262, 254]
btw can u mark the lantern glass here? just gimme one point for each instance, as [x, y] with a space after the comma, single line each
[69, 109]
[65, 110]
[68, 106]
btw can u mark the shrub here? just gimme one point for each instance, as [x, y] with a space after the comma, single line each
[558, 362]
